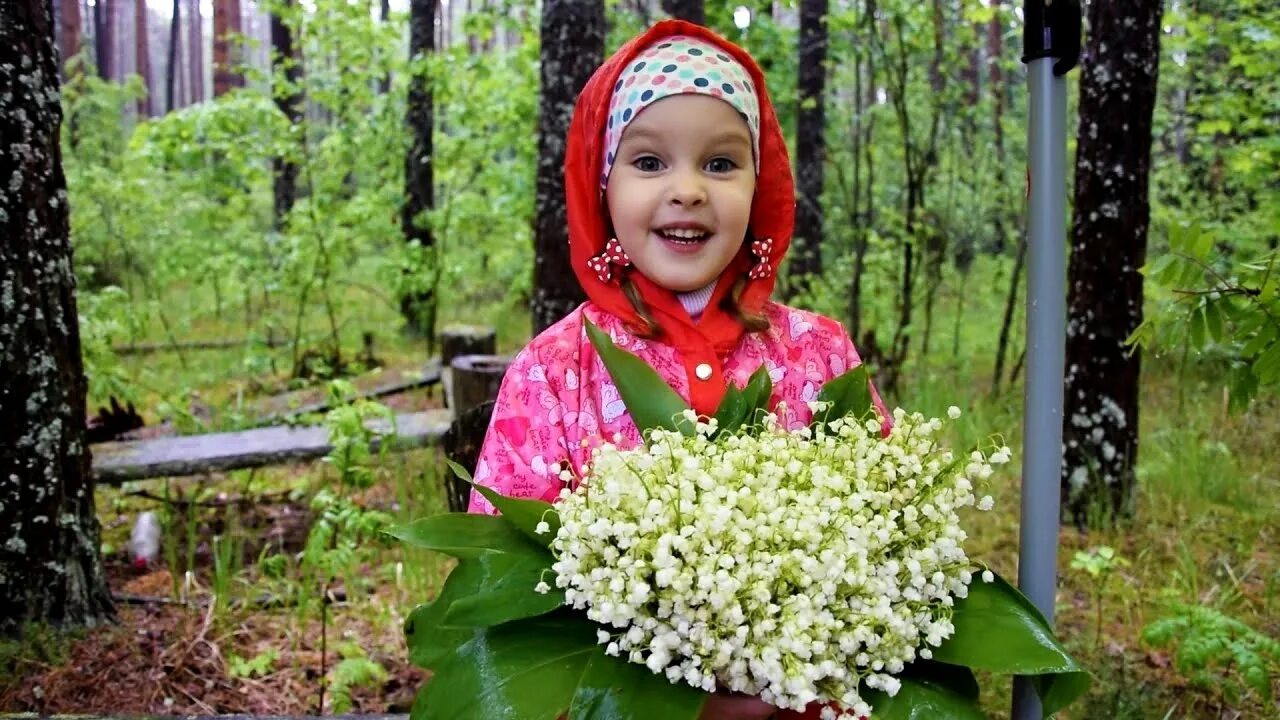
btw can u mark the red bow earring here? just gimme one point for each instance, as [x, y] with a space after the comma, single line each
[603, 263]
[761, 249]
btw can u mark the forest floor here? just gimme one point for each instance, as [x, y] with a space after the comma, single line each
[209, 630]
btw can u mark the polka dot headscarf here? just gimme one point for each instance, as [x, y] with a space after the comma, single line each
[677, 65]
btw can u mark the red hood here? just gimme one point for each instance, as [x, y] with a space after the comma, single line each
[772, 209]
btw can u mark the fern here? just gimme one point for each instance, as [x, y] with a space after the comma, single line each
[354, 671]
[1213, 649]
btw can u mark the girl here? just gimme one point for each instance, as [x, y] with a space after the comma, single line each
[681, 205]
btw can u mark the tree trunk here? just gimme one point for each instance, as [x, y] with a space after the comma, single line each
[691, 10]
[806, 253]
[171, 72]
[103, 33]
[289, 99]
[1010, 304]
[71, 37]
[995, 52]
[226, 54]
[50, 570]
[1109, 244]
[384, 15]
[142, 45]
[195, 51]
[418, 307]
[572, 47]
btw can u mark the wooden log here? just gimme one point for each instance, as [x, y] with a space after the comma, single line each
[458, 340]
[476, 379]
[117, 462]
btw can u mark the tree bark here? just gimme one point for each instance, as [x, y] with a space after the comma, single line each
[70, 39]
[572, 47]
[171, 72]
[50, 570]
[418, 307]
[289, 99]
[142, 45]
[226, 54]
[995, 52]
[806, 257]
[1109, 244]
[103, 35]
[691, 10]
[195, 51]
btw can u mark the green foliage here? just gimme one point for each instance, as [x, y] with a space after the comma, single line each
[264, 663]
[1216, 651]
[1214, 301]
[355, 670]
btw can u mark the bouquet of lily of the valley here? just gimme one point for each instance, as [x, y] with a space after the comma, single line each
[820, 565]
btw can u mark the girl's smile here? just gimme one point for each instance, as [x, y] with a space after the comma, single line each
[679, 195]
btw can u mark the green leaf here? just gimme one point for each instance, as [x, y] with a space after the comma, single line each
[525, 514]
[847, 394]
[429, 641]
[526, 670]
[1198, 328]
[613, 689]
[923, 700]
[1213, 320]
[1267, 366]
[506, 592]
[650, 400]
[999, 630]
[467, 535]
[742, 406]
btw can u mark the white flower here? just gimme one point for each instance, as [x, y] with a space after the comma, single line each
[986, 503]
[542, 587]
[773, 562]
[953, 412]
[543, 528]
[988, 576]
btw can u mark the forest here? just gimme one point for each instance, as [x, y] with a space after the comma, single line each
[282, 217]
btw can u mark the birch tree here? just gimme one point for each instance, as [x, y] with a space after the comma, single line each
[572, 47]
[50, 570]
[1109, 244]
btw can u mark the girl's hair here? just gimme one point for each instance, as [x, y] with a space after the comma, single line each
[649, 329]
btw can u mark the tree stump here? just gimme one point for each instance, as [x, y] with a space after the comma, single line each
[475, 382]
[458, 340]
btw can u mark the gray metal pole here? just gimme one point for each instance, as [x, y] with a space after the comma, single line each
[1051, 47]
[1046, 348]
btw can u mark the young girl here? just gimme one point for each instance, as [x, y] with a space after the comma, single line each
[681, 205]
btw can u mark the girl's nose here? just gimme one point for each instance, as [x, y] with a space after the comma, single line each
[687, 190]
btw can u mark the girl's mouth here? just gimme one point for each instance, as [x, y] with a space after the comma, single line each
[684, 237]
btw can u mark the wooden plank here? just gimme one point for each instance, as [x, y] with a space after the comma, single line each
[283, 407]
[117, 462]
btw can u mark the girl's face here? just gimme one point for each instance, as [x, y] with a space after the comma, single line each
[679, 194]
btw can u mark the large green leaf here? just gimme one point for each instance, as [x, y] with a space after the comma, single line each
[741, 406]
[524, 514]
[922, 700]
[998, 629]
[614, 689]
[526, 670]
[467, 535]
[847, 394]
[429, 641]
[506, 593]
[650, 400]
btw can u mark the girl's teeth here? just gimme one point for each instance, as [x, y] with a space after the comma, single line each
[684, 235]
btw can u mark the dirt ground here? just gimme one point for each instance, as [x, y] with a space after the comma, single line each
[173, 659]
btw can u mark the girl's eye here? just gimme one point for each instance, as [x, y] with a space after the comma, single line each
[720, 165]
[647, 163]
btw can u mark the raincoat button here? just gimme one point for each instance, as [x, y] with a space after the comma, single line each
[703, 371]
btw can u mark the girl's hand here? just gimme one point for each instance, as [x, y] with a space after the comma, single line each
[733, 706]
